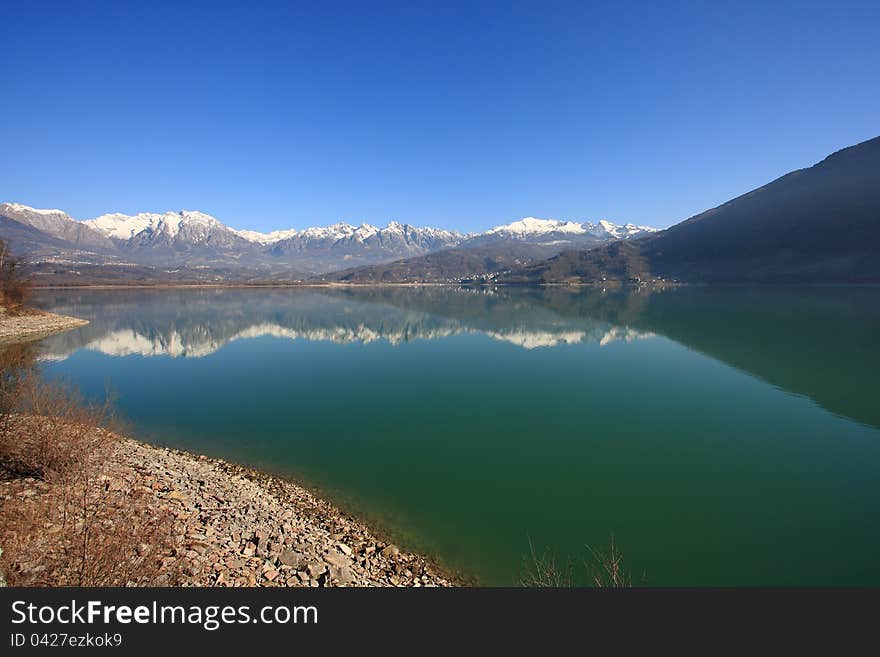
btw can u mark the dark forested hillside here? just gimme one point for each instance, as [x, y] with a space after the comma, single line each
[815, 225]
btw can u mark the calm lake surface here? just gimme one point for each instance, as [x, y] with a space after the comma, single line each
[724, 436]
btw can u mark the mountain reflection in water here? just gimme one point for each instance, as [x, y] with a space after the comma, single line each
[817, 342]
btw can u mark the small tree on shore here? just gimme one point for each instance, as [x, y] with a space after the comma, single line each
[15, 284]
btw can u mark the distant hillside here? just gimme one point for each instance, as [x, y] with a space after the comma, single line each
[815, 225]
[483, 257]
[449, 266]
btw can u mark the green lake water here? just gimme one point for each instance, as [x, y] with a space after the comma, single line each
[725, 436]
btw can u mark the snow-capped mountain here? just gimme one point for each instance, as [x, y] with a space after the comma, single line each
[122, 226]
[531, 228]
[395, 239]
[57, 224]
[361, 233]
[174, 232]
[266, 238]
[626, 231]
[191, 238]
[200, 227]
[315, 248]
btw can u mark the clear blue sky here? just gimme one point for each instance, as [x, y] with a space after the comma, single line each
[275, 115]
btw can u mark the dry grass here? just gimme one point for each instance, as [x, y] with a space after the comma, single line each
[70, 515]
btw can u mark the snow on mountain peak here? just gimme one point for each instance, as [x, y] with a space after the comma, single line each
[533, 226]
[339, 230]
[265, 238]
[365, 231]
[20, 207]
[122, 226]
[194, 216]
[623, 232]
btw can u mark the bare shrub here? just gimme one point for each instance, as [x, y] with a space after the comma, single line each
[67, 439]
[543, 571]
[16, 372]
[95, 532]
[608, 569]
[75, 516]
[605, 569]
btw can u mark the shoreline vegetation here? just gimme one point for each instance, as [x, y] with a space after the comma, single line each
[18, 321]
[239, 285]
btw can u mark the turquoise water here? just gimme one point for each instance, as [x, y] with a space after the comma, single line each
[723, 436]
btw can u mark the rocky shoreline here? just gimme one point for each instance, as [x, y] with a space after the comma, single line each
[227, 525]
[240, 527]
[232, 525]
[34, 325]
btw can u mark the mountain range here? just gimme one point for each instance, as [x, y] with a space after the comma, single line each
[815, 225]
[176, 244]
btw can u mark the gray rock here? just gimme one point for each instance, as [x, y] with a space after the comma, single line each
[342, 574]
[336, 559]
[291, 558]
